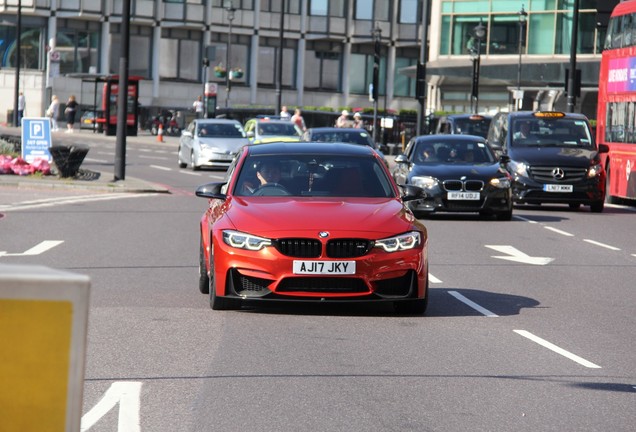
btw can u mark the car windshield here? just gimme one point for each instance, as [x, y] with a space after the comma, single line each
[452, 152]
[313, 175]
[561, 132]
[345, 137]
[469, 126]
[284, 129]
[220, 130]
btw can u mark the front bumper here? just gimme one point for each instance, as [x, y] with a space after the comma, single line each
[268, 275]
[530, 191]
[491, 200]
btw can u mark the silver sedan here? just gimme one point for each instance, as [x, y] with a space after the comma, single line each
[210, 143]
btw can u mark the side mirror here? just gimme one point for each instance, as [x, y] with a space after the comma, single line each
[504, 159]
[211, 191]
[186, 133]
[250, 134]
[603, 148]
[412, 192]
[401, 158]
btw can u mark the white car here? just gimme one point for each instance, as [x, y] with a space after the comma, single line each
[211, 143]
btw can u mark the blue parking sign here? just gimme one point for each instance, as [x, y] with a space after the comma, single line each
[36, 139]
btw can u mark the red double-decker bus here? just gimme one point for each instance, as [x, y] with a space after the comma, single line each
[616, 116]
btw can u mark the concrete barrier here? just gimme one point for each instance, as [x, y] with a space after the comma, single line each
[43, 326]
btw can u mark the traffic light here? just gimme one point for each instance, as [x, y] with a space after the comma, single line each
[420, 82]
[376, 69]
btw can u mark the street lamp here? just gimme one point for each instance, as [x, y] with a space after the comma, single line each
[479, 34]
[376, 33]
[229, 7]
[18, 58]
[523, 15]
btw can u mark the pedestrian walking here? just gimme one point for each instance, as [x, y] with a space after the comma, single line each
[53, 112]
[21, 107]
[197, 105]
[298, 120]
[70, 111]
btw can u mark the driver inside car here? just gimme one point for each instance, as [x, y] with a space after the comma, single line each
[268, 172]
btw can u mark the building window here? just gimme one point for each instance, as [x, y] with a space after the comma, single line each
[403, 85]
[378, 10]
[322, 66]
[359, 82]
[78, 51]
[335, 8]
[237, 4]
[180, 59]
[30, 48]
[410, 11]
[267, 64]
[140, 48]
[291, 6]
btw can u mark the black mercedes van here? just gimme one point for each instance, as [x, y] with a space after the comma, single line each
[553, 158]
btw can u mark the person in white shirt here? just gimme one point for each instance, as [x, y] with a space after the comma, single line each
[197, 105]
[284, 114]
[53, 112]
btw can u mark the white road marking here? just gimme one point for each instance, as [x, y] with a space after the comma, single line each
[601, 244]
[473, 305]
[557, 349]
[558, 231]
[433, 279]
[514, 254]
[153, 157]
[160, 168]
[96, 160]
[190, 173]
[51, 202]
[128, 395]
[36, 250]
[524, 219]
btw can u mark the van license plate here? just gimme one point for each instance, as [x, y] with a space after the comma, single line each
[558, 188]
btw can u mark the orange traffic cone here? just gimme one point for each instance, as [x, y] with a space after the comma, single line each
[160, 133]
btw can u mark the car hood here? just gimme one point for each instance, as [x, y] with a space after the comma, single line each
[455, 171]
[229, 145]
[276, 138]
[292, 216]
[565, 156]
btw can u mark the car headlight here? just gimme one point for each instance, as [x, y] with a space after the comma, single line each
[500, 183]
[519, 168]
[594, 171]
[400, 242]
[424, 182]
[245, 241]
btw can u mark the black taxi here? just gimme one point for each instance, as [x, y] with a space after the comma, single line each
[553, 157]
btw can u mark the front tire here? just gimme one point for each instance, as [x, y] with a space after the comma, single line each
[204, 279]
[193, 164]
[181, 164]
[597, 207]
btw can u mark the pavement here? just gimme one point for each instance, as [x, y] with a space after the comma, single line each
[86, 179]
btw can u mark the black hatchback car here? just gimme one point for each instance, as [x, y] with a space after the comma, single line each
[459, 173]
[553, 158]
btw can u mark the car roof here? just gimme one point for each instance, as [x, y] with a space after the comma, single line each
[318, 148]
[531, 114]
[336, 129]
[269, 120]
[450, 138]
[461, 116]
[217, 121]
